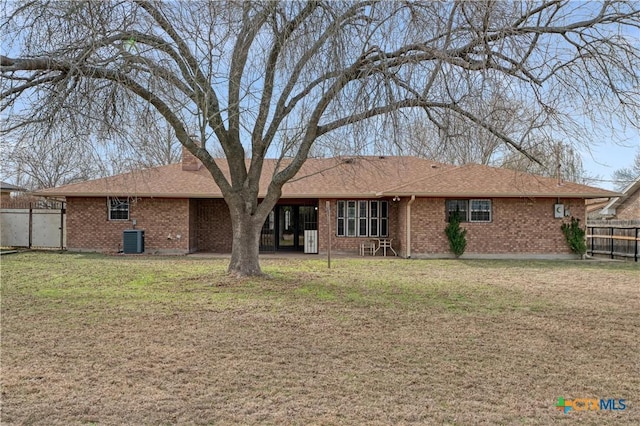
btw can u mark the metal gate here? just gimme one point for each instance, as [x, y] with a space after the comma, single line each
[41, 225]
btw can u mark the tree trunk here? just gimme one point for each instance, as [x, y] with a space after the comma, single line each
[246, 244]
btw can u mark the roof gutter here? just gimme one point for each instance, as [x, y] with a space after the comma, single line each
[453, 194]
[408, 250]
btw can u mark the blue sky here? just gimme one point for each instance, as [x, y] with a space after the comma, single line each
[600, 159]
[605, 157]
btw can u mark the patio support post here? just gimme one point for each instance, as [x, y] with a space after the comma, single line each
[408, 250]
[62, 212]
[611, 244]
[635, 249]
[328, 207]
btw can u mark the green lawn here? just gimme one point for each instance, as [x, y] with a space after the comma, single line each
[91, 339]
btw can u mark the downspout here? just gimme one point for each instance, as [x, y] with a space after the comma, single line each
[408, 251]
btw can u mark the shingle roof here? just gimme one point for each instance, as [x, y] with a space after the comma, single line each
[341, 177]
[610, 207]
[4, 186]
[474, 180]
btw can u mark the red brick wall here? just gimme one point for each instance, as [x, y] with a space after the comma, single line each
[189, 161]
[518, 226]
[403, 204]
[162, 219]
[211, 226]
[630, 208]
[351, 244]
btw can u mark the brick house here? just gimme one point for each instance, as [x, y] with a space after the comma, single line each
[6, 189]
[625, 207]
[403, 199]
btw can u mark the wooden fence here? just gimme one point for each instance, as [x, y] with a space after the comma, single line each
[614, 238]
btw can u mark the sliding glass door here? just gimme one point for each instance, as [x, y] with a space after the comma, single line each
[285, 226]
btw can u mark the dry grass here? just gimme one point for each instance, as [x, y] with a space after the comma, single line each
[88, 339]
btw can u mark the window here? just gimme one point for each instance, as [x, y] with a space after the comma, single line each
[373, 218]
[351, 218]
[383, 219]
[458, 207]
[363, 221]
[362, 218]
[480, 211]
[469, 210]
[118, 209]
[341, 217]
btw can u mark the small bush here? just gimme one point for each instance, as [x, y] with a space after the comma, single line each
[457, 236]
[575, 236]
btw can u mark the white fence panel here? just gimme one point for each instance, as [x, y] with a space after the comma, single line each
[14, 227]
[45, 228]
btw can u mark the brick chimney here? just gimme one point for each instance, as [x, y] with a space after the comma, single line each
[189, 161]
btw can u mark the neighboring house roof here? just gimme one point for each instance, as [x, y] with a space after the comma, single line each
[341, 177]
[596, 203]
[594, 207]
[610, 208]
[7, 187]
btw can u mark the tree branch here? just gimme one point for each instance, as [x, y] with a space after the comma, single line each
[134, 87]
[201, 83]
[259, 147]
[417, 103]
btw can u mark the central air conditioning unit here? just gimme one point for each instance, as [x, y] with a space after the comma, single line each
[133, 241]
[311, 242]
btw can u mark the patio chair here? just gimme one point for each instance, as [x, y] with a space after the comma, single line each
[368, 247]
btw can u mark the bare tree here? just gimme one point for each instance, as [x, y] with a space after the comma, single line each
[625, 176]
[48, 159]
[454, 141]
[145, 141]
[52, 155]
[562, 162]
[271, 78]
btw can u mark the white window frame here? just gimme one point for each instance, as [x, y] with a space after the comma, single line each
[351, 214]
[374, 218]
[356, 218]
[383, 220]
[114, 205]
[341, 222]
[468, 213]
[480, 210]
[463, 218]
[363, 218]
